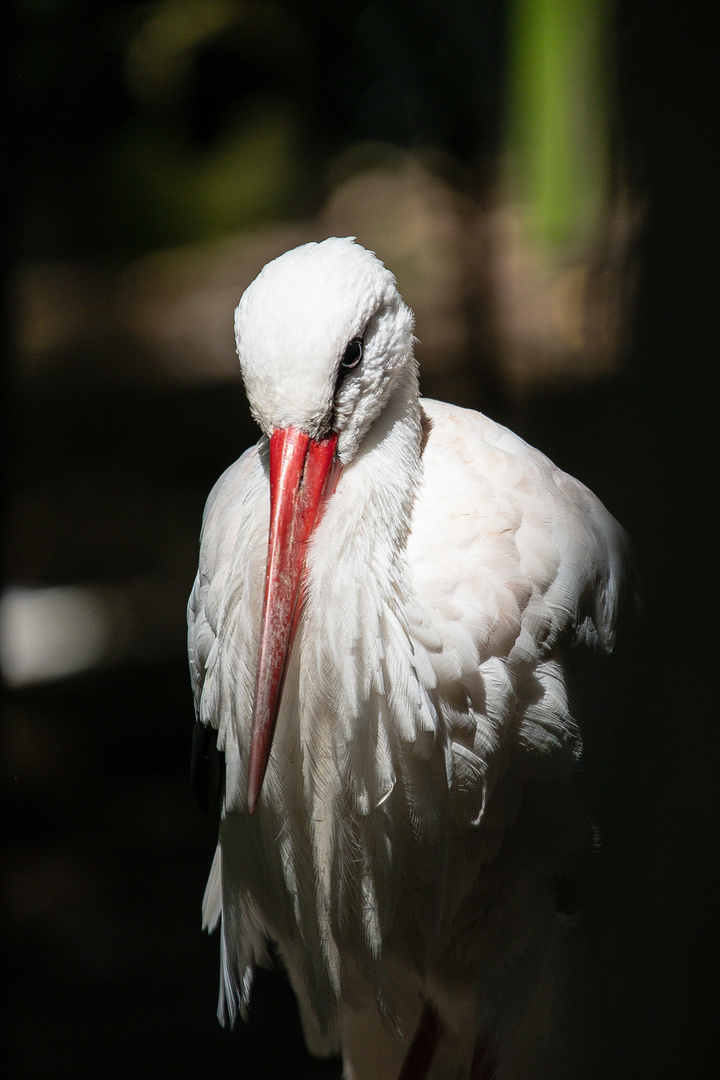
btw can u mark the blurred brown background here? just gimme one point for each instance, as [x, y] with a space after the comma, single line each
[540, 177]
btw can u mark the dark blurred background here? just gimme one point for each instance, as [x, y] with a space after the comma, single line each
[541, 178]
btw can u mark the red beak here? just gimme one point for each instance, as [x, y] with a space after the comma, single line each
[303, 475]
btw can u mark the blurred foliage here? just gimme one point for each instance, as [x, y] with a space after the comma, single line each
[148, 124]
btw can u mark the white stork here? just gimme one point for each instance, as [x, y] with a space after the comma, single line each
[388, 595]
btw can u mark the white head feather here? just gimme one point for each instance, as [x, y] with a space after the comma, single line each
[293, 325]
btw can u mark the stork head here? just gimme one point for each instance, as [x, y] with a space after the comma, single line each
[323, 338]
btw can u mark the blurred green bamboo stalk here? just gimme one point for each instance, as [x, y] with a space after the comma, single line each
[559, 114]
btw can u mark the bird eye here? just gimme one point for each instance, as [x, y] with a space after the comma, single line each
[352, 355]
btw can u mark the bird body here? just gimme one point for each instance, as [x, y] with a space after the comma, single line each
[400, 824]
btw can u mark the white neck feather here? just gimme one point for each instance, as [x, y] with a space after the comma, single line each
[375, 496]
